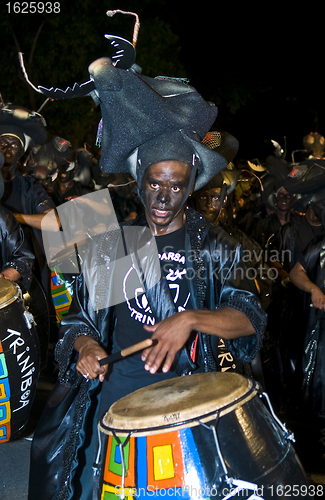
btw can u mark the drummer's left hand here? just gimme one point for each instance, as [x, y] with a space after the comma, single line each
[10, 274]
[171, 333]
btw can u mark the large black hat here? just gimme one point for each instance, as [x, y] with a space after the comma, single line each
[140, 112]
[177, 146]
[222, 142]
[151, 120]
[227, 176]
[50, 155]
[227, 146]
[28, 126]
[306, 177]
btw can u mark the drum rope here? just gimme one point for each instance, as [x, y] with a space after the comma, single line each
[286, 433]
[121, 445]
[99, 452]
[213, 429]
[59, 280]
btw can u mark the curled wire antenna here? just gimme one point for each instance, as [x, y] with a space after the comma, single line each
[21, 62]
[119, 185]
[111, 13]
[22, 65]
[257, 177]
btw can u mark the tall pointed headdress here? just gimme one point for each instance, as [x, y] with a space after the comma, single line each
[140, 113]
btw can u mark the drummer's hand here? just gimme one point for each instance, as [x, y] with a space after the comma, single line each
[318, 298]
[90, 352]
[10, 274]
[171, 333]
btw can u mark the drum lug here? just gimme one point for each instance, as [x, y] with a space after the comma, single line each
[29, 319]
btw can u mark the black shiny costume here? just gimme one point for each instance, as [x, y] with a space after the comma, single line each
[14, 250]
[313, 357]
[70, 415]
[25, 195]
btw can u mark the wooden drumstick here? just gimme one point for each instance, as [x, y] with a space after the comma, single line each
[129, 350]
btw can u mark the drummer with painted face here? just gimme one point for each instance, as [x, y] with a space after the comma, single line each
[21, 128]
[16, 257]
[221, 303]
[182, 283]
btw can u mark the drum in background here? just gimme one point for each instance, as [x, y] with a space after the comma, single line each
[199, 436]
[61, 292]
[62, 282]
[19, 361]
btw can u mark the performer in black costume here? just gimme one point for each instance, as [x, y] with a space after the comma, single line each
[16, 257]
[23, 195]
[162, 150]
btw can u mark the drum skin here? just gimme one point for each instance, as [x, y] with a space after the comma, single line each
[178, 454]
[19, 365]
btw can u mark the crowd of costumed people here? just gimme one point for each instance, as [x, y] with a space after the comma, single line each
[251, 232]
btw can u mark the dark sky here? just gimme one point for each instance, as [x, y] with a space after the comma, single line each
[271, 60]
[280, 54]
[279, 50]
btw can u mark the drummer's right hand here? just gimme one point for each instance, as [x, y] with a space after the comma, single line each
[90, 352]
[318, 298]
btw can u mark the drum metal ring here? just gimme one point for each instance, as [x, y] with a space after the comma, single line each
[10, 292]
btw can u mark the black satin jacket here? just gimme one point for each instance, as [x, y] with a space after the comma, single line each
[217, 258]
[25, 195]
[14, 249]
[313, 380]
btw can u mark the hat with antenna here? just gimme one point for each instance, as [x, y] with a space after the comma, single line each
[141, 113]
[28, 126]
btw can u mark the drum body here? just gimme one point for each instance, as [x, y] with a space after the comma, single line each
[64, 270]
[203, 436]
[61, 292]
[36, 303]
[19, 362]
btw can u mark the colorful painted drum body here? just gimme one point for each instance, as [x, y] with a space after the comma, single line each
[207, 435]
[64, 270]
[19, 361]
[61, 292]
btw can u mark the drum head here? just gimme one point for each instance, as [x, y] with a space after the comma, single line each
[66, 260]
[181, 401]
[9, 292]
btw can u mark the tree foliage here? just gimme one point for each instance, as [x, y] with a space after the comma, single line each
[58, 49]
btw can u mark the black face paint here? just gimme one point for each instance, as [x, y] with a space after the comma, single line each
[165, 190]
[210, 202]
[11, 148]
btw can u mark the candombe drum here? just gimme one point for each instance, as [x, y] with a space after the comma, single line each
[208, 435]
[36, 303]
[62, 282]
[19, 361]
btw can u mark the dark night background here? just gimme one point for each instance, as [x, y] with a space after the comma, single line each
[262, 66]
